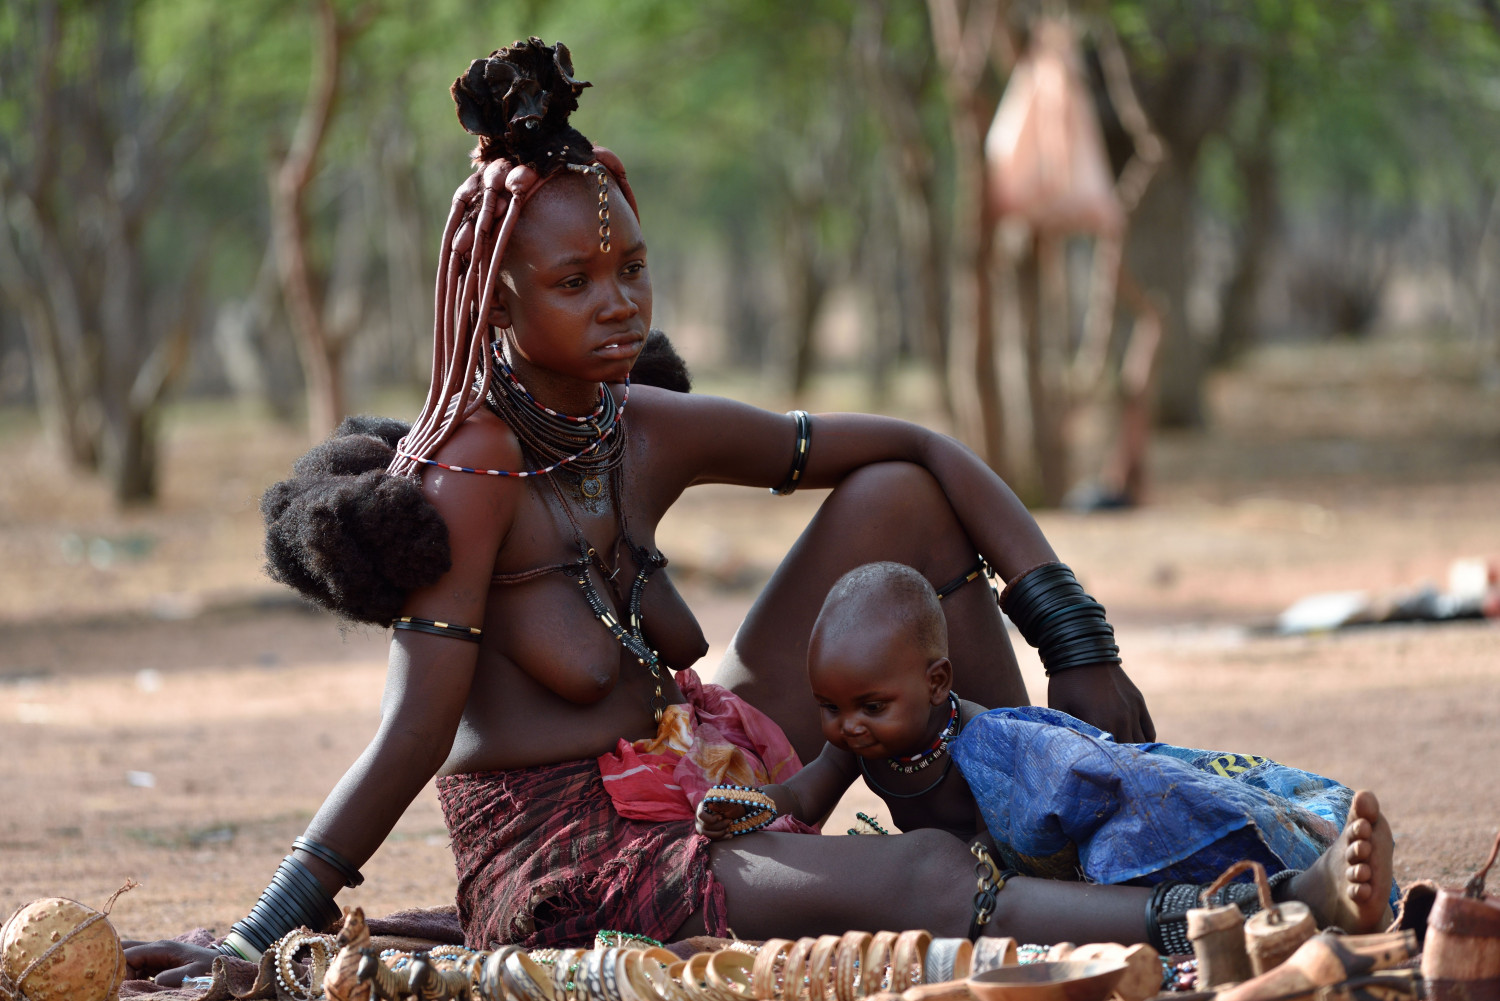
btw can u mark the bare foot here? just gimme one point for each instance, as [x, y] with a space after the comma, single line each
[1350, 884]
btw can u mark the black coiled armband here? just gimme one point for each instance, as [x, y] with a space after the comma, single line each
[1066, 626]
[295, 899]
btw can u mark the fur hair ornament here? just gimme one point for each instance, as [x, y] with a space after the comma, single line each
[347, 536]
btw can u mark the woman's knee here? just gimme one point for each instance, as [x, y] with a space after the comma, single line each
[937, 869]
[891, 485]
[898, 504]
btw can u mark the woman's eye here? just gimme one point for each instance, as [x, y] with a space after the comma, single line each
[575, 282]
[635, 267]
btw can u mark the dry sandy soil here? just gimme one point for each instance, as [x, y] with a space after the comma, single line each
[167, 714]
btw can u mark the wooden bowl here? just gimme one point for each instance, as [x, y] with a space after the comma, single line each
[1064, 981]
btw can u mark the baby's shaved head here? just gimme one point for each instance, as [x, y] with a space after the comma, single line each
[888, 597]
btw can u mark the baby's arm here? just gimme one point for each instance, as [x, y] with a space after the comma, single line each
[810, 795]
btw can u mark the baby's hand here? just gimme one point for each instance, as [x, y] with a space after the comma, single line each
[714, 819]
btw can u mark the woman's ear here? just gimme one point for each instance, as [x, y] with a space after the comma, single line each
[939, 680]
[500, 313]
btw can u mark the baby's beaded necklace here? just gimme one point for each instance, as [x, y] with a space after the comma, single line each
[916, 762]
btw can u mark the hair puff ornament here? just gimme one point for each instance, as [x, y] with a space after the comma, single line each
[517, 101]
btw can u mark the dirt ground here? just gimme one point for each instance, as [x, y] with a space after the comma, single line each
[168, 714]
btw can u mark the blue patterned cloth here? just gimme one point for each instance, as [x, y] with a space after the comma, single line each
[1062, 799]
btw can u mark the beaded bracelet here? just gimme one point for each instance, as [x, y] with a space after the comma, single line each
[746, 796]
[607, 938]
[435, 628]
[799, 453]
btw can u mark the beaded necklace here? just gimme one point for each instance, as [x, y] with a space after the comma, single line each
[630, 636]
[916, 762]
[884, 792]
[549, 435]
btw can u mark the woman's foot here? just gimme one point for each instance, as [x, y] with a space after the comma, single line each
[1350, 885]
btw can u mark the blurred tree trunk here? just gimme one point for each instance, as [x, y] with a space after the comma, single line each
[241, 334]
[746, 322]
[407, 284]
[105, 345]
[1186, 100]
[1255, 163]
[1487, 291]
[813, 169]
[322, 325]
[804, 283]
[895, 92]
[963, 35]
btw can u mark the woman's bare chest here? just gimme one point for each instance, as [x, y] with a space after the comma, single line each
[580, 591]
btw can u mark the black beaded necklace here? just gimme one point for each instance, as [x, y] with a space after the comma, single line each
[629, 635]
[588, 447]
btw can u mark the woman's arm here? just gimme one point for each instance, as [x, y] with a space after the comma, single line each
[426, 690]
[718, 440]
[428, 677]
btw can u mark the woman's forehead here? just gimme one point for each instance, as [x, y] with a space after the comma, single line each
[565, 211]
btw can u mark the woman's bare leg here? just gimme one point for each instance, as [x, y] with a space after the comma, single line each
[791, 885]
[890, 511]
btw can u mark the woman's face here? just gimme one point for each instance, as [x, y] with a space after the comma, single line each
[576, 313]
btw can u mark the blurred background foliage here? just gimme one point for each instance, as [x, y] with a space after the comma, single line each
[210, 199]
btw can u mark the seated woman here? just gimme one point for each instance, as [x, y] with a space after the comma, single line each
[509, 538]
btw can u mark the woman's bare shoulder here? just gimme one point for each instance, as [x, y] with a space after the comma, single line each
[483, 442]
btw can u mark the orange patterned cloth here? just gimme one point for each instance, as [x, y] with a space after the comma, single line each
[715, 738]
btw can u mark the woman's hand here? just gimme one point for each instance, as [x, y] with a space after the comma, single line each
[1105, 697]
[167, 962]
[714, 819]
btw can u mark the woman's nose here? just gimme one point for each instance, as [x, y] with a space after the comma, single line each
[618, 304]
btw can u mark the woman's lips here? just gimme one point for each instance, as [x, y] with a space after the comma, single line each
[621, 348]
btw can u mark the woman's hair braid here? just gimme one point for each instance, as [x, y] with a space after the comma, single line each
[517, 101]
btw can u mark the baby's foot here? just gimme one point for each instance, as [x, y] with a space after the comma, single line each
[1350, 884]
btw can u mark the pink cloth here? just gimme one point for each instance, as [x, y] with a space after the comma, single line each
[715, 738]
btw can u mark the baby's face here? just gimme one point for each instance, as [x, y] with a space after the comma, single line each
[873, 693]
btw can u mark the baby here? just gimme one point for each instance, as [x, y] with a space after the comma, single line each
[1049, 794]
[878, 664]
